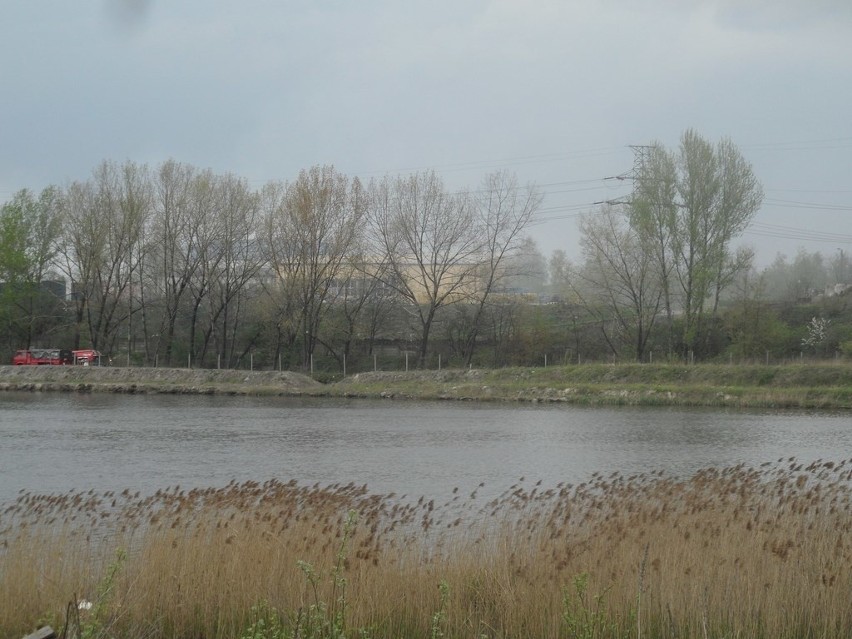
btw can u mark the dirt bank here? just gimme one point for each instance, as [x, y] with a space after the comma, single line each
[155, 380]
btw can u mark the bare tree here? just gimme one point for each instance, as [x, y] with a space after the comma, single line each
[429, 240]
[618, 281]
[503, 212]
[102, 248]
[206, 206]
[232, 257]
[362, 300]
[182, 201]
[311, 228]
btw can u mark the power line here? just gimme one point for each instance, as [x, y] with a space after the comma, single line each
[832, 191]
[802, 145]
[793, 233]
[792, 204]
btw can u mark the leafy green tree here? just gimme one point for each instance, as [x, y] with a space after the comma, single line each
[14, 262]
[689, 206]
[754, 329]
[653, 214]
[13, 269]
[29, 228]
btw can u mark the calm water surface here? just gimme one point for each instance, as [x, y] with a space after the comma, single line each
[59, 442]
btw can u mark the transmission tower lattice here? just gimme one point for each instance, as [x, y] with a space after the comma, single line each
[641, 157]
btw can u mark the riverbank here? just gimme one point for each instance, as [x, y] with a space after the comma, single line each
[178, 381]
[824, 386]
[804, 386]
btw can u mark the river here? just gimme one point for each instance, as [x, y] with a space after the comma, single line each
[53, 443]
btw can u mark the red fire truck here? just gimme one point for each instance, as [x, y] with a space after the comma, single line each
[43, 357]
[56, 357]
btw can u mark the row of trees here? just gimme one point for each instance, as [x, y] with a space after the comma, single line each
[807, 275]
[193, 263]
[177, 264]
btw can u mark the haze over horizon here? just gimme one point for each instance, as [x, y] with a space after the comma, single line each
[554, 90]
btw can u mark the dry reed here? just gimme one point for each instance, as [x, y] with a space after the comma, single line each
[728, 552]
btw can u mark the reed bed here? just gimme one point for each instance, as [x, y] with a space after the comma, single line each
[735, 552]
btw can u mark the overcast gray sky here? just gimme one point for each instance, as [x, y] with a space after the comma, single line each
[554, 90]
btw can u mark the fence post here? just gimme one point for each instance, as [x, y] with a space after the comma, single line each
[406, 361]
[375, 365]
[344, 364]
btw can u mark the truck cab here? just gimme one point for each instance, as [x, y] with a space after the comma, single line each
[86, 357]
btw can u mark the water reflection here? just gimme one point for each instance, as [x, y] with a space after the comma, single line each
[53, 443]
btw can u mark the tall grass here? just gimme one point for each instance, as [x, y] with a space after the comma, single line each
[736, 552]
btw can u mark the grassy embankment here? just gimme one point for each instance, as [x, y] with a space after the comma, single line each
[727, 553]
[788, 386]
[825, 386]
